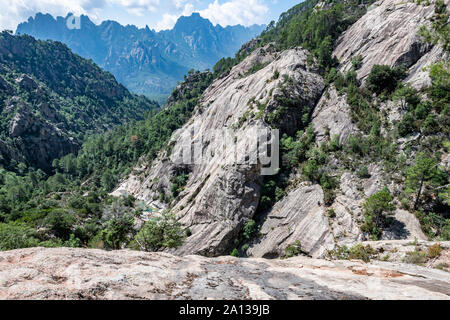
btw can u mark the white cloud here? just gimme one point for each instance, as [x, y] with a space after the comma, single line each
[169, 20]
[231, 12]
[245, 12]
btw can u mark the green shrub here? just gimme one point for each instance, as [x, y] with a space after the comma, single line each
[179, 181]
[250, 229]
[160, 233]
[86, 232]
[338, 253]
[16, 236]
[118, 226]
[363, 173]
[334, 143]
[406, 126]
[358, 251]
[383, 78]
[331, 213]
[357, 62]
[376, 208]
[293, 250]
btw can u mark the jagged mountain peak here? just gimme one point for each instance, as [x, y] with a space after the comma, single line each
[188, 24]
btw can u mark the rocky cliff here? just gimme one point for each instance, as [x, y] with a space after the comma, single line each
[94, 274]
[386, 34]
[362, 120]
[218, 199]
[219, 196]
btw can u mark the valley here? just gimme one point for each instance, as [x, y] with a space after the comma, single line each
[357, 208]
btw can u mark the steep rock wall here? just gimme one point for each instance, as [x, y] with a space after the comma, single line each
[220, 196]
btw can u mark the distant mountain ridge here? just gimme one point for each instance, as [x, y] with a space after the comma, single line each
[145, 61]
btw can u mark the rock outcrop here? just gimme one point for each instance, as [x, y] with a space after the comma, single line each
[63, 273]
[399, 250]
[300, 216]
[386, 34]
[332, 117]
[39, 141]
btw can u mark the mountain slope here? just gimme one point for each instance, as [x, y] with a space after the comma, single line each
[51, 98]
[341, 175]
[145, 61]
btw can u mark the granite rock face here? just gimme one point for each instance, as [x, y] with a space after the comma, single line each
[219, 198]
[386, 34]
[300, 216]
[332, 116]
[64, 273]
[223, 189]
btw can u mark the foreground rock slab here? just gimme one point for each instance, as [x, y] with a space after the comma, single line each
[64, 273]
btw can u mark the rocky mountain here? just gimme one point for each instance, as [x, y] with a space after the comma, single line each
[65, 273]
[50, 98]
[145, 61]
[322, 202]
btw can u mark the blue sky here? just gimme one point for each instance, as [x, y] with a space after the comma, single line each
[157, 14]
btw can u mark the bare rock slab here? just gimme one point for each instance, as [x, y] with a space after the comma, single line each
[63, 273]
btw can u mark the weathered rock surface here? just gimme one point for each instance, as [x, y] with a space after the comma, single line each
[64, 273]
[405, 226]
[300, 216]
[386, 34]
[223, 190]
[333, 113]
